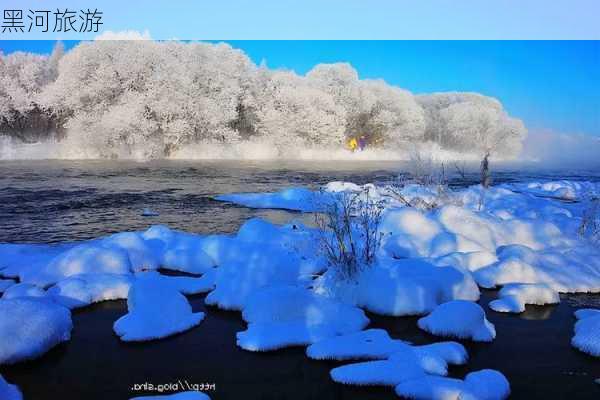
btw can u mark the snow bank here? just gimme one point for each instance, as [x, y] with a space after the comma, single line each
[177, 396]
[486, 384]
[587, 331]
[291, 316]
[156, 310]
[30, 327]
[514, 296]
[461, 319]
[8, 391]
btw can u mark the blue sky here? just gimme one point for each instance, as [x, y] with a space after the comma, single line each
[551, 85]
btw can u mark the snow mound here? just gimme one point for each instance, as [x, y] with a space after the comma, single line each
[570, 269]
[587, 331]
[156, 310]
[285, 316]
[23, 290]
[514, 296]
[378, 373]
[30, 327]
[460, 319]
[192, 395]
[8, 391]
[84, 289]
[376, 344]
[295, 199]
[5, 284]
[261, 255]
[565, 190]
[178, 251]
[486, 384]
[148, 212]
[401, 287]
[368, 344]
[84, 258]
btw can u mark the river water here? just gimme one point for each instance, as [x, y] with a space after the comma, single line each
[50, 201]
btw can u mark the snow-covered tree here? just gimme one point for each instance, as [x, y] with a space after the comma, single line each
[148, 99]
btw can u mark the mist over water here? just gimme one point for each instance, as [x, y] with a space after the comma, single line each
[52, 201]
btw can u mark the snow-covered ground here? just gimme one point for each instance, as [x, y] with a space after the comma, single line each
[437, 248]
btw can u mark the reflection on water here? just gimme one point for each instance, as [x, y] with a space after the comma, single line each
[533, 312]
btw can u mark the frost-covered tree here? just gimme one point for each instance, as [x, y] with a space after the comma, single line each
[149, 99]
[471, 121]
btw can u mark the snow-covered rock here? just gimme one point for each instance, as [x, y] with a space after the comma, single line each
[370, 344]
[8, 391]
[461, 319]
[486, 384]
[284, 316]
[587, 331]
[30, 327]
[514, 296]
[156, 310]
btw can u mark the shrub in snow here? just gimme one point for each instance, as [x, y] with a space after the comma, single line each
[350, 236]
[8, 391]
[30, 327]
[284, 316]
[486, 384]
[461, 319]
[156, 310]
[514, 296]
[587, 331]
[192, 395]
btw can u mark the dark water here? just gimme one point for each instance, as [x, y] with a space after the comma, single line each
[532, 349]
[52, 201]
